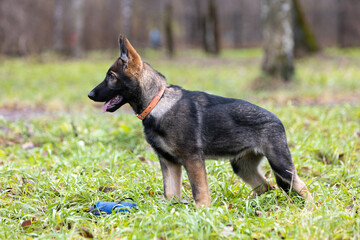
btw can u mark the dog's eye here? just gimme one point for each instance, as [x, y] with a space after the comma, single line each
[112, 76]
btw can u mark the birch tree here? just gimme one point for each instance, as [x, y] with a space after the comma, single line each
[278, 41]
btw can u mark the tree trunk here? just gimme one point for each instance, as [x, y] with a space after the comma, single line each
[76, 35]
[214, 21]
[211, 37]
[169, 35]
[204, 32]
[237, 28]
[197, 23]
[278, 41]
[305, 41]
[341, 24]
[126, 12]
[58, 25]
[348, 23]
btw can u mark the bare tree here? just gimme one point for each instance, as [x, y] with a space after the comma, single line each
[211, 32]
[29, 27]
[305, 41]
[58, 25]
[195, 15]
[341, 23]
[237, 28]
[126, 12]
[214, 21]
[76, 34]
[169, 33]
[348, 27]
[278, 41]
[14, 40]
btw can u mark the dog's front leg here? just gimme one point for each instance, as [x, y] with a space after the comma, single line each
[199, 186]
[171, 178]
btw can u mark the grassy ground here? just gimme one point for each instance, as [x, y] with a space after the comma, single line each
[57, 150]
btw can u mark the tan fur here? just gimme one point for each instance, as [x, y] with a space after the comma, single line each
[135, 64]
[171, 178]
[197, 176]
[170, 98]
[300, 187]
[249, 171]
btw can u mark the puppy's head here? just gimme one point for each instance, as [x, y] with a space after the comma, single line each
[122, 79]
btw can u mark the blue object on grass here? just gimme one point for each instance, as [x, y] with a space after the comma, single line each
[109, 207]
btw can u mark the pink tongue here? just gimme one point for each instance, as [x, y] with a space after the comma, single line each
[106, 106]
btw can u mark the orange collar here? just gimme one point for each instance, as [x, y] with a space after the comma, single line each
[151, 106]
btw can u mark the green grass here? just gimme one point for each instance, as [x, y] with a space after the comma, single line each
[57, 149]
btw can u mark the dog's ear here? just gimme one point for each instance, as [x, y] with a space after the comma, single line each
[132, 64]
[123, 50]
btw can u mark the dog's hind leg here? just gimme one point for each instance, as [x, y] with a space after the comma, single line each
[282, 164]
[247, 168]
[171, 178]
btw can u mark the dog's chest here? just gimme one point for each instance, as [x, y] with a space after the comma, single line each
[155, 136]
[160, 143]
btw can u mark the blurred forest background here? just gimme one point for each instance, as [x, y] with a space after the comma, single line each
[59, 155]
[75, 26]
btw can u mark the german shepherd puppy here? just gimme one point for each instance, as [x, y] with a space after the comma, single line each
[186, 127]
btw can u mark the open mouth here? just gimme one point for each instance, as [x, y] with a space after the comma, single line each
[113, 104]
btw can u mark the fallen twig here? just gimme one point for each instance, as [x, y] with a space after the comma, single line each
[318, 178]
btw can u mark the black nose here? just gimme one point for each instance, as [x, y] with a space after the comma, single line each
[91, 95]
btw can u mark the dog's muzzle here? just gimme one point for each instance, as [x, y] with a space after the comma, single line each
[91, 95]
